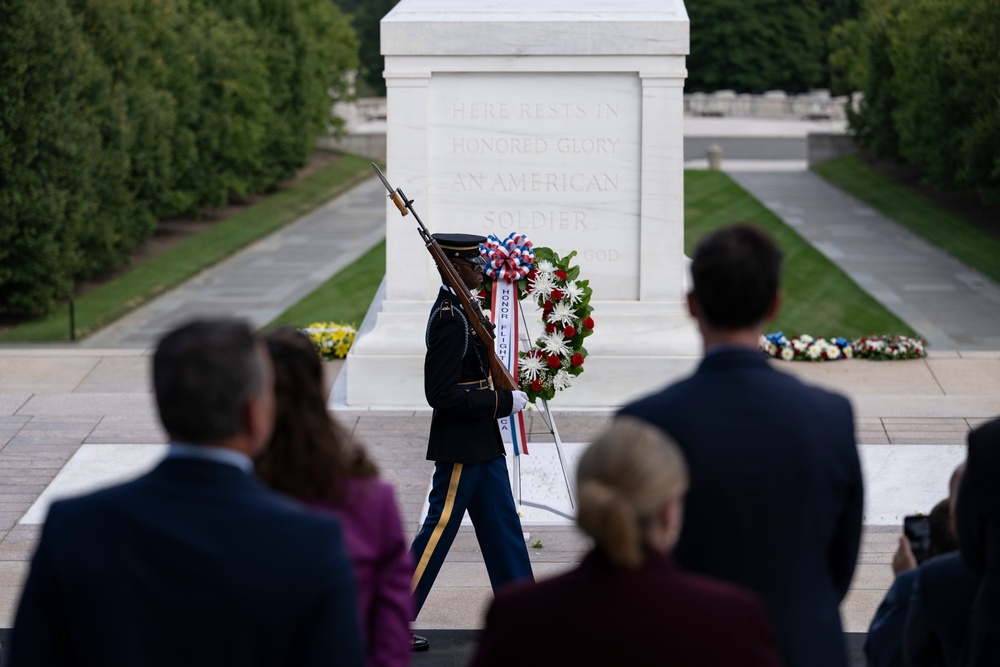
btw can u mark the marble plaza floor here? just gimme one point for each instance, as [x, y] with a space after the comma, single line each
[73, 418]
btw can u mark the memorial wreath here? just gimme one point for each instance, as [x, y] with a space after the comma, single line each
[552, 283]
[808, 348]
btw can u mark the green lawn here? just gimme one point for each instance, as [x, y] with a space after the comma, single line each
[912, 210]
[819, 298]
[343, 299]
[113, 299]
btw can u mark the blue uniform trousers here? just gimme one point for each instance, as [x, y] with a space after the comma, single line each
[484, 490]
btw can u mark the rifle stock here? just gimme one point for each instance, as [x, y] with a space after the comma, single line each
[502, 379]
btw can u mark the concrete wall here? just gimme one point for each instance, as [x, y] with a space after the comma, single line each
[823, 146]
[371, 146]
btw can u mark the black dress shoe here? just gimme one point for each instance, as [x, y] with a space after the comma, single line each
[418, 643]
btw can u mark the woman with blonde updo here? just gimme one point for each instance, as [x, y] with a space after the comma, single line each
[627, 603]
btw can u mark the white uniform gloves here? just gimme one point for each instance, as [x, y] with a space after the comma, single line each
[520, 400]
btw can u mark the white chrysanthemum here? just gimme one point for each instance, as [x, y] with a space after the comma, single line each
[788, 354]
[531, 366]
[833, 352]
[562, 313]
[562, 380]
[572, 293]
[848, 352]
[799, 346]
[814, 352]
[806, 338]
[544, 284]
[545, 266]
[554, 343]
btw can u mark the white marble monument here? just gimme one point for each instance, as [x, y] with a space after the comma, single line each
[561, 120]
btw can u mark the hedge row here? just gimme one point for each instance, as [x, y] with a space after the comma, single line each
[114, 113]
[931, 79]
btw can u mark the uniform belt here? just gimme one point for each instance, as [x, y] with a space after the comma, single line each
[475, 384]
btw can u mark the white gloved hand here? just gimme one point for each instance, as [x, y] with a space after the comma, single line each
[520, 400]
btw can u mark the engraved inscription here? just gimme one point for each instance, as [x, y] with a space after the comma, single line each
[523, 221]
[554, 157]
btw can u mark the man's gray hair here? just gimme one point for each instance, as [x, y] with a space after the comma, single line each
[203, 374]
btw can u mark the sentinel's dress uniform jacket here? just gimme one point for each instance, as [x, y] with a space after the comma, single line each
[464, 424]
[470, 473]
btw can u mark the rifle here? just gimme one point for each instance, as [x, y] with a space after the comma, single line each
[502, 379]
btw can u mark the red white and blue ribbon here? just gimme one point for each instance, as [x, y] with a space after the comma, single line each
[509, 261]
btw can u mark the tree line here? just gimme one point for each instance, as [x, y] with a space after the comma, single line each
[115, 113]
[930, 74]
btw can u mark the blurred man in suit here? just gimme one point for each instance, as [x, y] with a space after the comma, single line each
[978, 520]
[194, 563]
[776, 493]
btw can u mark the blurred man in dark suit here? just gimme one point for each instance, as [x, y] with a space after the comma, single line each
[776, 492]
[194, 563]
[978, 519]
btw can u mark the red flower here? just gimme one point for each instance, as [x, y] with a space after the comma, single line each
[588, 323]
[577, 359]
[557, 294]
[561, 274]
[550, 327]
[481, 294]
[547, 306]
[569, 332]
[553, 361]
[536, 385]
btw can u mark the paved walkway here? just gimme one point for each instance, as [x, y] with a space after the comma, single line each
[951, 305]
[262, 281]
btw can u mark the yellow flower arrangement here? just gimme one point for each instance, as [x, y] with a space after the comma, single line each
[331, 339]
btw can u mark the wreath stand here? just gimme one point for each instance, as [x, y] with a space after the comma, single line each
[554, 432]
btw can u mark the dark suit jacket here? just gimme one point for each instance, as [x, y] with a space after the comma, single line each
[603, 615]
[464, 424]
[978, 520]
[884, 641]
[943, 592]
[194, 563]
[775, 500]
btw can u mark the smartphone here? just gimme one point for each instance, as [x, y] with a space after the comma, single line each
[918, 531]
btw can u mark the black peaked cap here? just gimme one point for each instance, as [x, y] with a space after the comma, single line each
[465, 246]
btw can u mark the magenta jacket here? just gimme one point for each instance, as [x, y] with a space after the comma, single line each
[373, 535]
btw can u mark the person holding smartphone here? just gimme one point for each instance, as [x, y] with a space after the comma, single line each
[884, 642]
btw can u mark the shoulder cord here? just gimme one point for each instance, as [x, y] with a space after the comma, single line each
[465, 327]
